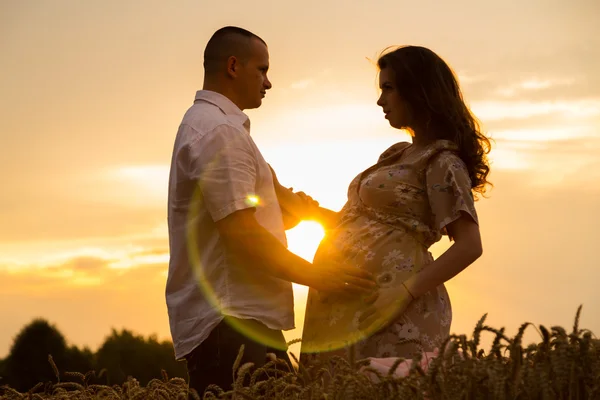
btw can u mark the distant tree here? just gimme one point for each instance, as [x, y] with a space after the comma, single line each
[124, 354]
[27, 362]
[164, 357]
[78, 360]
[3, 372]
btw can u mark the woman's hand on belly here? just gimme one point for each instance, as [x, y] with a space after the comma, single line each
[385, 308]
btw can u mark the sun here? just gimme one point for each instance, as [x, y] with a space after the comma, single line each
[304, 239]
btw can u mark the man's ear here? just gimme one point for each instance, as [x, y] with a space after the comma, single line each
[232, 66]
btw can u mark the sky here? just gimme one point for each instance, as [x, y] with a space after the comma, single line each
[92, 93]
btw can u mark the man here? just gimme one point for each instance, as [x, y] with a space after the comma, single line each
[230, 272]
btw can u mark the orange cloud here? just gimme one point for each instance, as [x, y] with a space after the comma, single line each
[85, 296]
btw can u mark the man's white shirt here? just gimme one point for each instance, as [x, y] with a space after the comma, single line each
[217, 169]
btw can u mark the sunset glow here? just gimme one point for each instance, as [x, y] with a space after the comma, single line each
[93, 93]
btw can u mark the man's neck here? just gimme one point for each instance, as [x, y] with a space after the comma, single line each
[225, 91]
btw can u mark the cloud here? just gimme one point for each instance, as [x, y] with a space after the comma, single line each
[158, 251]
[323, 75]
[468, 79]
[135, 260]
[151, 175]
[86, 265]
[85, 303]
[492, 110]
[533, 84]
[301, 85]
[120, 211]
[568, 164]
[106, 282]
[546, 134]
[559, 72]
[553, 142]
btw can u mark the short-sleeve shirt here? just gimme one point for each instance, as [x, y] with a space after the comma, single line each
[217, 169]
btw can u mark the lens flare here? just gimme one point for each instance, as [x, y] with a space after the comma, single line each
[252, 200]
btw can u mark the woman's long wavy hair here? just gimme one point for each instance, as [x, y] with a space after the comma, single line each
[437, 108]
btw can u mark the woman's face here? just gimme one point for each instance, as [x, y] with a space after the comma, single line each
[394, 107]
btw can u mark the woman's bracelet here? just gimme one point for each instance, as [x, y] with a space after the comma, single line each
[406, 287]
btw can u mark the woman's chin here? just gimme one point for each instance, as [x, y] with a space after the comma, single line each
[394, 124]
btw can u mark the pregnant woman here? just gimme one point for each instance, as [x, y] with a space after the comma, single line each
[396, 210]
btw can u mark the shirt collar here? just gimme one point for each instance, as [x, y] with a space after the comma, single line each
[227, 106]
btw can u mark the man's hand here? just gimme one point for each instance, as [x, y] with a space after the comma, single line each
[308, 201]
[246, 239]
[341, 279]
[308, 208]
[384, 309]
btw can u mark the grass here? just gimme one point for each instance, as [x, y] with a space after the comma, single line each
[562, 365]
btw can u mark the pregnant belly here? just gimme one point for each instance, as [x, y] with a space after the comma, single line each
[392, 255]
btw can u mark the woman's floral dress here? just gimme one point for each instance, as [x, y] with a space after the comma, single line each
[395, 211]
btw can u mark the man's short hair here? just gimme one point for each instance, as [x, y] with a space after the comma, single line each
[226, 42]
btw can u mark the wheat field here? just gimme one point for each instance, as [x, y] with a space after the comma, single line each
[562, 365]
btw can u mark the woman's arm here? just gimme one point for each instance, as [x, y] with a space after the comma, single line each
[290, 206]
[299, 206]
[327, 218]
[294, 207]
[466, 249]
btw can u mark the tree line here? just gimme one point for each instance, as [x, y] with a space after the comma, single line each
[122, 354]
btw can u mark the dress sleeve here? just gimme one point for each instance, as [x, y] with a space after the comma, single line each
[449, 191]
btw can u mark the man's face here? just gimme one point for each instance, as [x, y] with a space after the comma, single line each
[252, 76]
